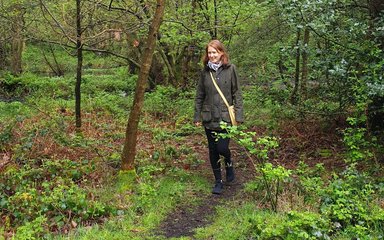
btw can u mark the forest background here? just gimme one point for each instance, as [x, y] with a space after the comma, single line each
[97, 139]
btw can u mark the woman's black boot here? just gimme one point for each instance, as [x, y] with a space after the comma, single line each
[230, 174]
[218, 188]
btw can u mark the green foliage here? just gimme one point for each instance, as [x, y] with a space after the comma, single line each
[248, 222]
[345, 71]
[172, 106]
[119, 82]
[310, 181]
[12, 87]
[6, 135]
[12, 111]
[60, 58]
[32, 230]
[348, 201]
[34, 61]
[359, 148]
[46, 189]
[38, 86]
[167, 102]
[260, 108]
[109, 104]
[295, 225]
[271, 177]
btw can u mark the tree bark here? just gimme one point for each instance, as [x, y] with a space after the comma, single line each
[304, 69]
[216, 20]
[129, 149]
[3, 54]
[79, 53]
[17, 41]
[293, 98]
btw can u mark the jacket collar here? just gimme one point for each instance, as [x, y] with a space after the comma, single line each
[220, 68]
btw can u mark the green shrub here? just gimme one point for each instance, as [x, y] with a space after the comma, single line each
[310, 182]
[349, 203]
[118, 83]
[247, 221]
[359, 148]
[106, 103]
[34, 62]
[271, 178]
[168, 103]
[32, 230]
[46, 188]
[295, 225]
[12, 87]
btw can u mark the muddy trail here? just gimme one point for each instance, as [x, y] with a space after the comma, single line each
[186, 219]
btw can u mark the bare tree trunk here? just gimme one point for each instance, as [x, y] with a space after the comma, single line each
[294, 98]
[186, 67]
[3, 56]
[79, 51]
[171, 73]
[129, 150]
[17, 41]
[304, 70]
[216, 20]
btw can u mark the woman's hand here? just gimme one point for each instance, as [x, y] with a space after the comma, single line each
[198, 124]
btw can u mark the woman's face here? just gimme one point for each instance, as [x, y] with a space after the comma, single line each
[214, 55]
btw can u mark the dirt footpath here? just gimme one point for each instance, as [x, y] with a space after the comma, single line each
[185, 219]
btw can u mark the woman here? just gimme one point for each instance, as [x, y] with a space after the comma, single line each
[210, 108]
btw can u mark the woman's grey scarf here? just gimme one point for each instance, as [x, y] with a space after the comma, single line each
[214, 66]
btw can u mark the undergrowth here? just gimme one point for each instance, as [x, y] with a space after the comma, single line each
[59, 184]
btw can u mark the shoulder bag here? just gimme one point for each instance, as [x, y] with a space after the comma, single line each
[231, 109]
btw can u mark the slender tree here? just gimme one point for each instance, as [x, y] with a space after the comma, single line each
[17, 39]
[91, 28]
[304, 68]
[129, 150]
[79, 69]
[294, 97]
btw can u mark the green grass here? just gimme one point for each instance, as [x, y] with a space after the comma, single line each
[148, 206]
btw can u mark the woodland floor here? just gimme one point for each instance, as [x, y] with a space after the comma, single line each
[185, 219]
[316, 143]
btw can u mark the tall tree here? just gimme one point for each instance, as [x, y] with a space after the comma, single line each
[294, 98]
[304, 68]
[79, 69]
[375, 110]
[91, 28]
[12, 28]
[17, 38]
[129, 150]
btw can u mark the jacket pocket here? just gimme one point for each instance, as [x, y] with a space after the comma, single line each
[225, 115]
[206, 114]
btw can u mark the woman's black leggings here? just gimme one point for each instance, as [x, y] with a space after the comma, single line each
[218, 146]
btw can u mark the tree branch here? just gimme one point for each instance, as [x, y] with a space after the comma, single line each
[56, 22]
[90, 49]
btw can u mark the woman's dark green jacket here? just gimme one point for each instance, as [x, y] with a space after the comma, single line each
[210, 109]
